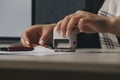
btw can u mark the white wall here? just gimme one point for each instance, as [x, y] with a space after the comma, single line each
[15, 17]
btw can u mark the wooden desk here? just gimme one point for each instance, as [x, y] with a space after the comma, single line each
[80, 66]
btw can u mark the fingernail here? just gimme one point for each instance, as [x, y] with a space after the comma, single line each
[41, 42]
[56, 28]
[27, 42]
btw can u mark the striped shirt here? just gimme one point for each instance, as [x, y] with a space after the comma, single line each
[110, 8]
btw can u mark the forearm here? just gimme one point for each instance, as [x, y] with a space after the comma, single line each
[114, 26]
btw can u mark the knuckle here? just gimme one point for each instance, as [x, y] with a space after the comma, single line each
[67, 17]
[74, 18]
[79, 11]
[59, 23]
[82, 20]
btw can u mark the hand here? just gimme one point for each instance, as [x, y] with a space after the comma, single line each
[38, 35]
[85, 21]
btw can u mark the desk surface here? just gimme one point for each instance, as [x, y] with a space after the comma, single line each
[95, 62]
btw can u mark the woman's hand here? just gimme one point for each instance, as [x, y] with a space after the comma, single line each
[38, 35]
[86, 22]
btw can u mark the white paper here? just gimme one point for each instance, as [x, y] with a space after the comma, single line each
[42, 51]
[38, 51]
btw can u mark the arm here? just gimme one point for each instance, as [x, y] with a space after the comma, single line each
[89, 23]
[115, 26]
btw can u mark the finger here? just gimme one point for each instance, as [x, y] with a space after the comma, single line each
[81, 24]
[42, 42]
[58, 25]
[44, 38]
[64, 25]
[73, 21]
[25, 40]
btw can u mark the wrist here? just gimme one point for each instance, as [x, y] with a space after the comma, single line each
[110, 25]
[114, 26]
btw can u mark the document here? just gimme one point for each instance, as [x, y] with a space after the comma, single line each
[42, 51]
[38, 51]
